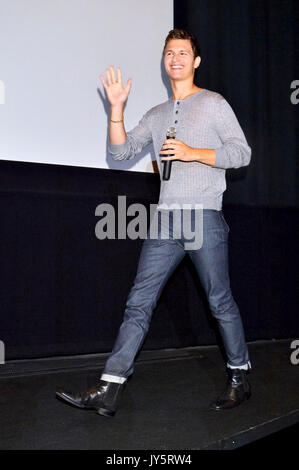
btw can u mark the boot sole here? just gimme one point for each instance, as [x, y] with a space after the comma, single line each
[100, 411]
[246, 398]
[105, 412]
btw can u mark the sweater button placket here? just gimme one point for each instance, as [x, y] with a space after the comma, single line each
[176, 112]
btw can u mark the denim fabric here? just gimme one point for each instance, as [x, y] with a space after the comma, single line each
[158, 259]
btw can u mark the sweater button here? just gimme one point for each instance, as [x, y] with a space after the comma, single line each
[175, 122]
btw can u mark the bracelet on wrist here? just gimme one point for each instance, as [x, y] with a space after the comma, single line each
[116, 121]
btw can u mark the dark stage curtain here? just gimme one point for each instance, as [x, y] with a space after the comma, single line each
[249, 52]
[63, 291]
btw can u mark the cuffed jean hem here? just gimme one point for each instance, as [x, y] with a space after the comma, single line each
[244, 366]
[113, 378]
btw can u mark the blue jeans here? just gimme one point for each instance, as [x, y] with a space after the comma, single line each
[158, 259]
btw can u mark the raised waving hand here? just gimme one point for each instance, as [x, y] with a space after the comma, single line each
[116, 93]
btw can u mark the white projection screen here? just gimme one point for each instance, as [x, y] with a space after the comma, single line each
[53, 107]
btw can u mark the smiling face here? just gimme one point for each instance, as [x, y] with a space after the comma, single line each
[179, 60]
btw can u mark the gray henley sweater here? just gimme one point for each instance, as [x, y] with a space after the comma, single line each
[203, 120]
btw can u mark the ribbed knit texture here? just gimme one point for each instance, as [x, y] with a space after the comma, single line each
[204, 120]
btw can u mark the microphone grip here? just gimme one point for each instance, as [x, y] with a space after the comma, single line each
[167, 167]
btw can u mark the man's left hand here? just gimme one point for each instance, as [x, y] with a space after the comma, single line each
[178, 150]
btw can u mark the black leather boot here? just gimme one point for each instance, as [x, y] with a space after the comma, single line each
[103, 397]
[237, 390]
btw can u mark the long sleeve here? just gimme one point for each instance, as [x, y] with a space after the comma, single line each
[136, 140]
[235, 151]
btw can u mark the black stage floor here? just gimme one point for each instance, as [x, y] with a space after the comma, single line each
[164, 407]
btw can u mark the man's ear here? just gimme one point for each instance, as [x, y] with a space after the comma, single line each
[197, 61]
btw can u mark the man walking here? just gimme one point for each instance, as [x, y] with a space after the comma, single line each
[208, 141]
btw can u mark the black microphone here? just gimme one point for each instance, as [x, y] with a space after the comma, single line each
[170, 134]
